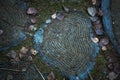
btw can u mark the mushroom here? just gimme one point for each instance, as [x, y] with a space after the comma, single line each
[12, 54]
[99, 31]
[53, 16]
[93, 2]
[48, 21]
[60, 16]
[31, 27]
[31, 11]
[30, 58]
[92, 11]
[95, 40]
[51, 76]
[33, 20]
[112, 75]
[65, 8]
[34, 52]
[104, 42]
[24, 50]
[96, 2]
[104, 48]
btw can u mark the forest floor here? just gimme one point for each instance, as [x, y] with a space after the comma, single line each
[45, 9]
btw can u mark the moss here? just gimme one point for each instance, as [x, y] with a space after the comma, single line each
[44, 68]
[99, 69]
[3, 57]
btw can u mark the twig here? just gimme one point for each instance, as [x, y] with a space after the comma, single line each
[9, 69]
[39, 72]
[91, 78]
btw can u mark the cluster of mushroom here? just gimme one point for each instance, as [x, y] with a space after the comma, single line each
[95, 15]
[24, 54]
[58, 15]
[113, 66]
[33, 19]
[16, 57]
[103, 41]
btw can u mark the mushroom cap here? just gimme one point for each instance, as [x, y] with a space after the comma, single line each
[99, 31]
[112, 75]
[104, 41]
[31, 10]
[104, 48]
[60, 16]
[92, 11]
[31, 27]
[53, 16]
[95, 40]
[33, 20]
[24, 50]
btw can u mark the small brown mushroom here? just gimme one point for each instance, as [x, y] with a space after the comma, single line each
[92, 11]
[31, 11]
[30, 58]
[104, 48]
[51, 76]
[96, 2]
[99, 31]
[65, 8]
[12, 54]
[33, 20]
[104, 42]
[34, 52]
[31, 27]
[112, 76]
[53, 16]
[60, 16]
[95, 40]
[93, 2]
[24, 50]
